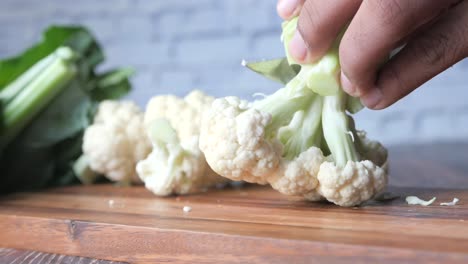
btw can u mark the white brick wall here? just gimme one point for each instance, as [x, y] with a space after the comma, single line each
[179, 45]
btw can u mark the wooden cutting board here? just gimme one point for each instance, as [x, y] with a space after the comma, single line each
[249, 225]
[254, 224]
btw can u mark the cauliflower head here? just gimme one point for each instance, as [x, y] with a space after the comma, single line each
[176, 165]
[301, 139]
[116, 141]
[248, 142]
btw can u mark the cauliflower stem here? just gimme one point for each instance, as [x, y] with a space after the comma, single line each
[340, 138]
[321, 80]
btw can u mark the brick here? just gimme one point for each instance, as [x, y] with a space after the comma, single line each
[15, 38]
[217, 81]
[167, 24]
[212, 51]
[42, 23]
[91, 7]
[136, 54]
[248, 83]
[251, 16]
[143, 87]
[104, 28]
[151, 7]
[267, 46]
[28, 10]
[136, 29]
[185, 24]
[176, 82]
[206, 21]
[234, 80]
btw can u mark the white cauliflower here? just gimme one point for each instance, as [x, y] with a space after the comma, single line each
[352, 184]
[243, 142]
[176, 165]
[300, 140]
[116, 141]
[183, 114]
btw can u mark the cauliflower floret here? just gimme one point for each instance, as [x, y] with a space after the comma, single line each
[184, 114]
[242, 154]
[351, 185]
[246, 154]
[373, 150]
[176, 165]
[116, 141]
[299, 176]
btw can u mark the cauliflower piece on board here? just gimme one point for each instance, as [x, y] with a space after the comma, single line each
[176, 165]
[116, 141]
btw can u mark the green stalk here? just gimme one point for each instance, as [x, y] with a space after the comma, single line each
[37, 94]
[304, 130]
[337, 131]
[323, 76]
[282, 105]
[11, 90]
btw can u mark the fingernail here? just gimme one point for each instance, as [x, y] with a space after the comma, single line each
[297, 47]
[348, 87]
[287, 7]
[372, 98]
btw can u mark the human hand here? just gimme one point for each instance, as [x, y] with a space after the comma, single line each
[434, 34]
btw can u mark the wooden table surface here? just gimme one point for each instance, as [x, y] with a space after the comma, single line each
[249, 225]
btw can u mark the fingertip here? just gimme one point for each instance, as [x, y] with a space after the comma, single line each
[287, 8]
[373, 99]
[348, 87]
[298, 48]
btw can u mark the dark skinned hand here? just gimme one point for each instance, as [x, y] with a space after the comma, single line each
[432, 36]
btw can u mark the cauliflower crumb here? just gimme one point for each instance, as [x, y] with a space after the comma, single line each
[413, 200]
[452, 203]
[187, 209]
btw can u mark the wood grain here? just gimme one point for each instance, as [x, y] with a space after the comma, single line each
[8, 255]
[249, 225]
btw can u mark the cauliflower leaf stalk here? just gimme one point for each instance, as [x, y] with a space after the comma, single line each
[300, 140]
